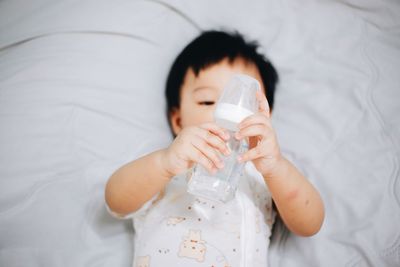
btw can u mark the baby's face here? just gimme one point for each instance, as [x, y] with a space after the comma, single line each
[200, 94]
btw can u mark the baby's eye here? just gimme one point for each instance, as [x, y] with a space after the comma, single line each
[206, 103]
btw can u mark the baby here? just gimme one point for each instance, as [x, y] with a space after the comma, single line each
[175, 228]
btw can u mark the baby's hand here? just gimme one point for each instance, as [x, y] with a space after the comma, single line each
[197, 144]
[263, 146]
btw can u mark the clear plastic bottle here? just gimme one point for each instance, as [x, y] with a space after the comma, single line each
[238, 100]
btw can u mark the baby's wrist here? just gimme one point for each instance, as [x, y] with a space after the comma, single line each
[162, 162]
[276, 169]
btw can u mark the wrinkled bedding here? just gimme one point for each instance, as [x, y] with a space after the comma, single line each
[81, 92]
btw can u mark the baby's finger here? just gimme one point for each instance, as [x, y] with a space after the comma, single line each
[258, 118]
[252, 130]
[213, 140]
[208, 151]
[251, 154]
[198, 157]
[215, 129]
[263, 105]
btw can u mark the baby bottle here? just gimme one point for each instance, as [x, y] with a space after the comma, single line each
[238, 101]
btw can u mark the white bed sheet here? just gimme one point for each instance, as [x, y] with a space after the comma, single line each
[81, 92]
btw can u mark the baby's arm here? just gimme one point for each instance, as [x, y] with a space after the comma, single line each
[298, 202]
[135, 183]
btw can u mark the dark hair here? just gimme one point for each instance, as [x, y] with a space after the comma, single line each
[210, 48]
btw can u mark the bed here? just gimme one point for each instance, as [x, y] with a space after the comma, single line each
[81, 93]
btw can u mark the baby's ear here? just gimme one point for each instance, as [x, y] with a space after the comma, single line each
[175, 120]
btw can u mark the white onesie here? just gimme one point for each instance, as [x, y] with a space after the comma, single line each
[179, 229]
